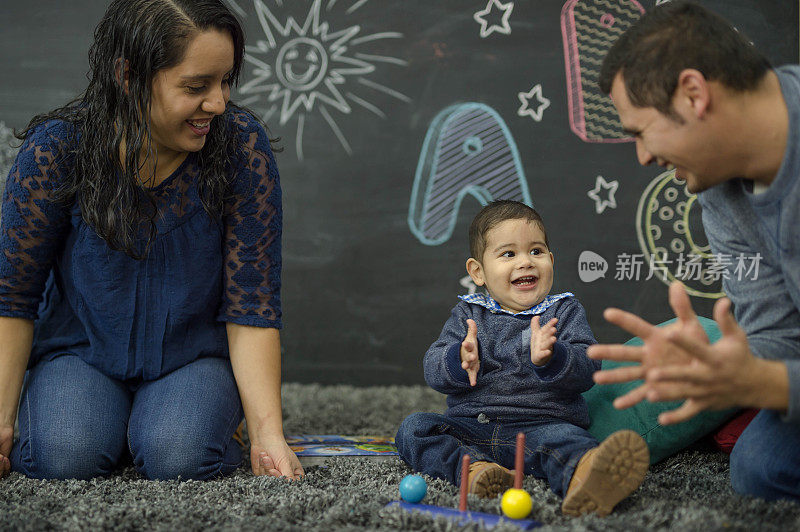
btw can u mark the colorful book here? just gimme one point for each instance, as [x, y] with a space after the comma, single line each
[314, 449]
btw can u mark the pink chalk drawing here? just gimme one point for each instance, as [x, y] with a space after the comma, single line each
[589, 28]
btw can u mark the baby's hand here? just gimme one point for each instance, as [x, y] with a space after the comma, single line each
[469, 353]
[542, 341]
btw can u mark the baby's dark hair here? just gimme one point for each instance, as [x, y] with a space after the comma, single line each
[494, 213]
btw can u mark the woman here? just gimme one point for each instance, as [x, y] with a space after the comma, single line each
[140, 263]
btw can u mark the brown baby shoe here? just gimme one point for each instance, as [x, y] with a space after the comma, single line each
[607, 474]
[488, 480]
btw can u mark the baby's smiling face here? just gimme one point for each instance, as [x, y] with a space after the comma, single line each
[516, 267]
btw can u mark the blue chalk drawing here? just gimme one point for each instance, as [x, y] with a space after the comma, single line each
[468, 149]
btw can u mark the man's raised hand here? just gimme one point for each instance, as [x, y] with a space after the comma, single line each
[723, 375]
[659, 347]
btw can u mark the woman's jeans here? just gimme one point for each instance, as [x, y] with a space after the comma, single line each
[434, 444]
[75, 422]
[765, 461]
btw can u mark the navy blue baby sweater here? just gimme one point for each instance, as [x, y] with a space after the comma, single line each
[510, 386]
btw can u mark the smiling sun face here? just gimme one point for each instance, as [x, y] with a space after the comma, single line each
[301, 64]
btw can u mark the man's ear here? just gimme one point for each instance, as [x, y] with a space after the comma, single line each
[475, 271]
[693, 93]
[122, 73]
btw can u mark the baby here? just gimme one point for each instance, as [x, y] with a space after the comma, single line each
[515, 361]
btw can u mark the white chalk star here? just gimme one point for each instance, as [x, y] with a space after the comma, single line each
[504, 27]
[600, 204]
[525, 98]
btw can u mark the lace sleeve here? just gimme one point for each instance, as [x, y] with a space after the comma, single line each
[33, 224]
[253, 224]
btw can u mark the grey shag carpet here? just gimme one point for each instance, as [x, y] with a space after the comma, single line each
[689, 491]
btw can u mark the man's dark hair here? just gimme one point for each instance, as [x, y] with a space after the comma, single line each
[494, 213]
[674, 37]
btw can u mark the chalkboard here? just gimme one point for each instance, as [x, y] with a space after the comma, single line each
[397, 121]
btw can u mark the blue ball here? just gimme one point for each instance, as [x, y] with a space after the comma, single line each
[413, 488]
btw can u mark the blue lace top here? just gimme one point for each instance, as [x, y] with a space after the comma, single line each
[140, 319]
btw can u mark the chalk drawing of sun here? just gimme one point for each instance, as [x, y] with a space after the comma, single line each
[305, 67]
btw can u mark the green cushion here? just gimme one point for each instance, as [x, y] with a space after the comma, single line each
[643, 417]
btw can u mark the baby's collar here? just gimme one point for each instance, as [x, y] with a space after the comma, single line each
[488, 302]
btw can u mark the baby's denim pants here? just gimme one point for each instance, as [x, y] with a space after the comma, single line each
[434, 444]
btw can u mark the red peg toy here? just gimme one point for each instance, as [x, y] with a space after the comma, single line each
[462, 516]
[462, 502]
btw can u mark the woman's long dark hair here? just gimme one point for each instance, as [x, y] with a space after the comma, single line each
[147, 36]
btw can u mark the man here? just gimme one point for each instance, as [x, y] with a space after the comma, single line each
[697, 96]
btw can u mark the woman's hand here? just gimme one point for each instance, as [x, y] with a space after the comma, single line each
[272, 456]
[256, 361]
[17, 335]
[6, 440]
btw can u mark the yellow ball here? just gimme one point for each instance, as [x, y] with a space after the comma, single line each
[516, 504]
